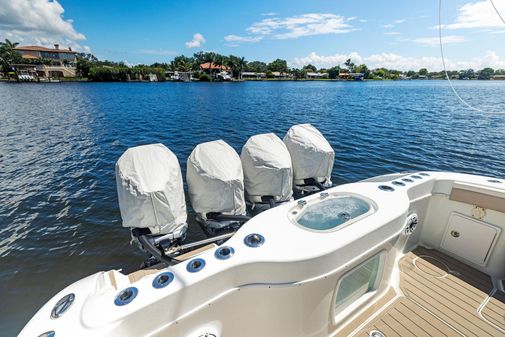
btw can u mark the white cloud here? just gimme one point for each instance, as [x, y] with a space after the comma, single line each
[480, 14]
[39, 22]
[394, 23]
[268, 14]
[293, 27]
[363, 20]
[236, 38]
[326, 61]
[399, 62]
[197, 41]
[392, 33]
[435, 41]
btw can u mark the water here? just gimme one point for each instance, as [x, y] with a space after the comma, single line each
[333, 212]
[59, 217]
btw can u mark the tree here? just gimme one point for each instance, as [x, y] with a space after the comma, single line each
[242, 63]
[380, 73]
[362, 68]
[486, 74]
[183, 63]
[466, 74]
[278, 65]
[310, 67]
[349, 65]
[334, 72]
[423, 72]
[84, 63]
[256, 66]
[8, 54]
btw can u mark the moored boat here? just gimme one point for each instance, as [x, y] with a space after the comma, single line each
[401, 254]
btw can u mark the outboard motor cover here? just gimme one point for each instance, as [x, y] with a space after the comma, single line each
[311, 154]
[150, 190]
[267, 168]
[215, 179]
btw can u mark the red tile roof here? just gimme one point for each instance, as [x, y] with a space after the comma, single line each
[38, 48]
[213, 66]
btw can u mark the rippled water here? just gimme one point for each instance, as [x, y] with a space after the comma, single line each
[59, 217]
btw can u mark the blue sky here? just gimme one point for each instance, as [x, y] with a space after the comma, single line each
[396, 34]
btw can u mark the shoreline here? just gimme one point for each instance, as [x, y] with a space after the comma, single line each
[84, 80]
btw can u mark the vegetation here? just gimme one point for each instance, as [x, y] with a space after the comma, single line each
[8, 56]
[89, 66]
[107, 70]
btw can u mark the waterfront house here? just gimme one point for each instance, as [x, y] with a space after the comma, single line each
[281, 75]
[252, 74]
[498, 77]
[216, 70]
[49, 62]
[314, 75]
[352, 76]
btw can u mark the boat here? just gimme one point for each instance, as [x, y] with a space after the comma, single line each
[405, 254]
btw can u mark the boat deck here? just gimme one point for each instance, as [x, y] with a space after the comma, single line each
[441, 297]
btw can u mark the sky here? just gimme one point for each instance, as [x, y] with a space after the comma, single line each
[400, 34]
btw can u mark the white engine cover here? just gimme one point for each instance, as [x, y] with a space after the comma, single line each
[150, 189]
[311, 154]
[267, 168]
[215, 179]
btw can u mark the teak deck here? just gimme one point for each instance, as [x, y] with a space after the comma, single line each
[441, 297]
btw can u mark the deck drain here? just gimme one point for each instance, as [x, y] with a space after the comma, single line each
[377, 333]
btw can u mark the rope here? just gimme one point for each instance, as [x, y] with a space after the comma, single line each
[445, 69]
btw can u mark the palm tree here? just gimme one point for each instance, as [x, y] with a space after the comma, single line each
[8, 45]
[241, 63]
[232, 62]
[8, 54]
[349, 65]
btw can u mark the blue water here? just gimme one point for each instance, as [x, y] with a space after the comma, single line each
[59, 217]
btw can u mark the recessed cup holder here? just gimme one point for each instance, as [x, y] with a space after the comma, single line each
[415, 176]
[125, 296]
[386, 188]
[224, 253]
[195, 265]
[254, 240]
[408, 180]
[424, 174]
[398, 183]
[162, 280]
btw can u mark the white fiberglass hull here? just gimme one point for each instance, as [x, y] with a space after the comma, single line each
[288, 284]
